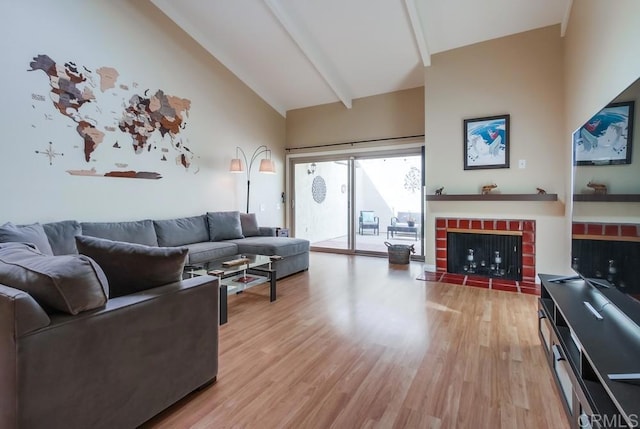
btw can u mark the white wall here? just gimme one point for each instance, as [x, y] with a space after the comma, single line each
[147, 48]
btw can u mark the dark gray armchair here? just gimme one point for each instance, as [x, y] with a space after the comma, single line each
[368, 220]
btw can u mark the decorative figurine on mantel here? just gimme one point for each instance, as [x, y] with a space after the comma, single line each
[541, 191]
[439, 190]
[488, 188]
[598, 188]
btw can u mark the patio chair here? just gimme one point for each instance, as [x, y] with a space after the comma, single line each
[368, 220]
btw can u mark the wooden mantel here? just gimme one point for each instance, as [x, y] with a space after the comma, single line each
[493, 197]
[619, 198]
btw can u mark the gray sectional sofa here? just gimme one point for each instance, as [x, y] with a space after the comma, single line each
[214, 235]
[97, 327]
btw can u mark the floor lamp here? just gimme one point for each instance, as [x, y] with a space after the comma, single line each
[266, 164]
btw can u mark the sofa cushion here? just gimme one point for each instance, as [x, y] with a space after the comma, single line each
[61, 236]
[209, 250]
[224, 225]
[283, 246]
[139, 232]
[249, 224]
[185, 230]
[67, 283]
[33, 233]
[131, 267]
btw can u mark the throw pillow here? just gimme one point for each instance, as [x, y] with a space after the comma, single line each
[61, 236]
[224, 225]
[33, 233]
[181, 231]
[249, 224]
[132, 267]
[67, 283]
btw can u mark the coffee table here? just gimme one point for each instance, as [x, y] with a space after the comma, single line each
[236, 274]
[398, 229]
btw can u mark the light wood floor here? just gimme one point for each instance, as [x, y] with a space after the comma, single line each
[356, 343]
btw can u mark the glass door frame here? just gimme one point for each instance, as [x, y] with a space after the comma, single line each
[351, 156]
[291, 203]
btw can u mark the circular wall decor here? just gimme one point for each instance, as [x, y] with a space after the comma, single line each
[319, 189]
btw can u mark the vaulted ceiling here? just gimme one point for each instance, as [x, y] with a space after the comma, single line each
[300, 53]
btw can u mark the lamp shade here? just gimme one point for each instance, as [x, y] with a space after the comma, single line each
[267, 166]
[236, 166]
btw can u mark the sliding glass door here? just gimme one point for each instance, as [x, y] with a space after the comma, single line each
[355, 203]
[388, 202]
[321, 203]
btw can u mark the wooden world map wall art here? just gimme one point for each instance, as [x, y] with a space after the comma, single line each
[116, 123]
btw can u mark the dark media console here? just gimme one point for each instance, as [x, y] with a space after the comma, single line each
[594, 353]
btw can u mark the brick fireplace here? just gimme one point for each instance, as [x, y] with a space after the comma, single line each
[596, 247]
[608, 231]
[522, 227]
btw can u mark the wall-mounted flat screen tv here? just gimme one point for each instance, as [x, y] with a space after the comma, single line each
[605, 245]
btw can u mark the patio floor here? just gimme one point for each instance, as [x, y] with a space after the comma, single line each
[370, 242]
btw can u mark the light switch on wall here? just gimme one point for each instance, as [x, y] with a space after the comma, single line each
[262, 207]
[522, 163]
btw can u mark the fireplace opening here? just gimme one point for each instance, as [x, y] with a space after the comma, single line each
[615, 261]
[486, 255]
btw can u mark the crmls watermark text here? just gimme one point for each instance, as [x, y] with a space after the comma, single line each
[608, 421]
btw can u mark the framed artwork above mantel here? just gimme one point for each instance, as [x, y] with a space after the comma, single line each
[486, 142]
[606, 138]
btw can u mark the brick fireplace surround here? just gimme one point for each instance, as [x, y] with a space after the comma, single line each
[610, 231]
[525, 228]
